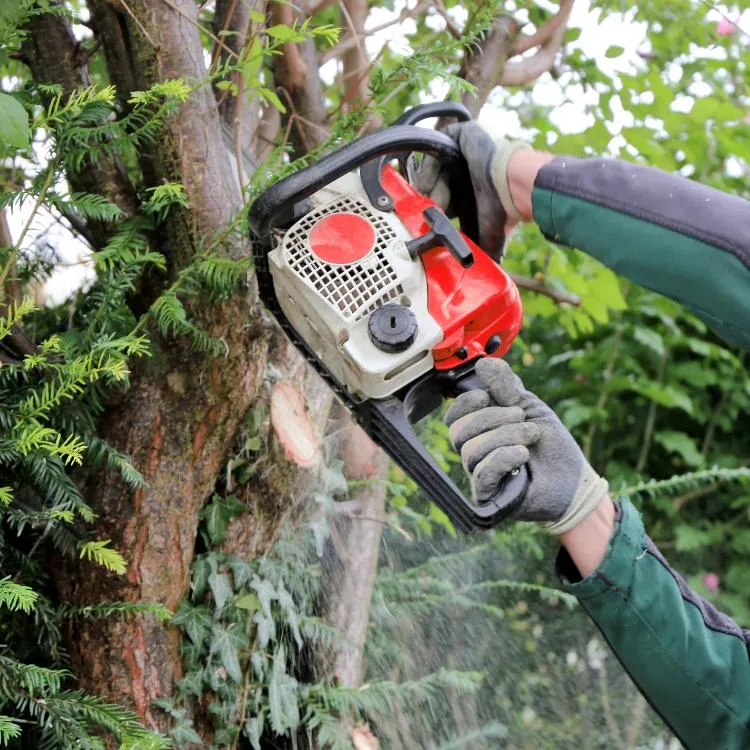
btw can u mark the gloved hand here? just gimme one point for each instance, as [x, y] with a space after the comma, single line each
[487, 157]
[515, 427]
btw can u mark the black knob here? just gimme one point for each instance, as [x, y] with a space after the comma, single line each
[392, 328]
[493, 344]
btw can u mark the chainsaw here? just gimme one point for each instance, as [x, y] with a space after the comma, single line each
[385, 297]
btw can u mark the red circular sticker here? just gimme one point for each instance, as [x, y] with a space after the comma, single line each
[342, 238]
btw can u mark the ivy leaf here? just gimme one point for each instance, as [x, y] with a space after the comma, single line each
[265, 591]
[682, 444]
[254, 729]
[195, 621]
[248, 601]
[14, 123]
[226, 642]
[282, 696]
[218, 514]
[221, 589]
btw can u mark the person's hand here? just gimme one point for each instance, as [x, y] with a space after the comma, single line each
[487, 157]
[506, 426]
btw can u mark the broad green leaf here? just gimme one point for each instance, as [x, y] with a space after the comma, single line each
[680, 443]
[690, 538]
[614, 51]
[226, 642]
[195, 621]
[248, 601]
[218, 514]
[650, 338]
[14, 123]
[285, 33]
[221, 589]
[271, 96]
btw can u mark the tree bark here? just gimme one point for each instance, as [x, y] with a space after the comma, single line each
[180, 415]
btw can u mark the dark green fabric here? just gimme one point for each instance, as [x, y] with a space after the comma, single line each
[696, 678]
[711, 282]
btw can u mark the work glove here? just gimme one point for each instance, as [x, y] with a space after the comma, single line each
[506, 426]
[487, 158]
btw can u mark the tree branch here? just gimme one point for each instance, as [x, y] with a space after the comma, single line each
[52, 52]
[483, 65]
[296, 73]
[529, 69]
[350, 42]
[544, 33]
[354, 59]
[533, 285]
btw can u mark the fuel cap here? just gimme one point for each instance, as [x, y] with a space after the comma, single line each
[392, 328]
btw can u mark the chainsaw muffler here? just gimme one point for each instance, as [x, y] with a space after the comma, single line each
[385, 297]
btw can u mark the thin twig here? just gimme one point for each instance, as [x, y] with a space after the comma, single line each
[544, 33]
[139, 24]
[533, 285]
[389, 524]
[450, 26]
[648, 433]
[604, 393]
[350, 42]
[40, 199]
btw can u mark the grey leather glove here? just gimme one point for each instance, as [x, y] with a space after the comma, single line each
[500, 429]
[487, 157]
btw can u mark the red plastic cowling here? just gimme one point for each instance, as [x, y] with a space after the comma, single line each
[472, 305]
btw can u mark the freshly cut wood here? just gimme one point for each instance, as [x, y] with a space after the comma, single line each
[293, 426]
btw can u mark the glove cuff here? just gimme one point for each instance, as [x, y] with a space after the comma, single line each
[499, 173]
[592, 489]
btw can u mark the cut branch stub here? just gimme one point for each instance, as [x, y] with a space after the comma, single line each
[293, 427]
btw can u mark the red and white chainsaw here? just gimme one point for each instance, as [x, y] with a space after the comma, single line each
[382, 294]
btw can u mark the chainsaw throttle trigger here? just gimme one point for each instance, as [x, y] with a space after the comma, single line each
[442, 234]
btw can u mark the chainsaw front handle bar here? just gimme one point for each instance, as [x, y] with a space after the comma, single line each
[277, 203]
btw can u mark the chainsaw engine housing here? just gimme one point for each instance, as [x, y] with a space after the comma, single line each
[344, 259]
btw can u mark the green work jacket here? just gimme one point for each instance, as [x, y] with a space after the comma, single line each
[692, 244]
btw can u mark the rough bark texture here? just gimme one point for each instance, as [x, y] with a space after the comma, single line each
[181, 413]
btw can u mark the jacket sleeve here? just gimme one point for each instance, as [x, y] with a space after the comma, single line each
[690, 661]
[663, 231]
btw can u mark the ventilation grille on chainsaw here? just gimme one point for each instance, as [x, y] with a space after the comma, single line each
[357, 289]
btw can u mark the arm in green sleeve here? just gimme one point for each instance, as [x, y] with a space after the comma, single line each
[663, 231]
[689, 660]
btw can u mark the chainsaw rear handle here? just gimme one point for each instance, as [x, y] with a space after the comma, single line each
[279, 200]
[391, 423]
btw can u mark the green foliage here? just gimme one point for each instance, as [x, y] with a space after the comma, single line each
[14, 124]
